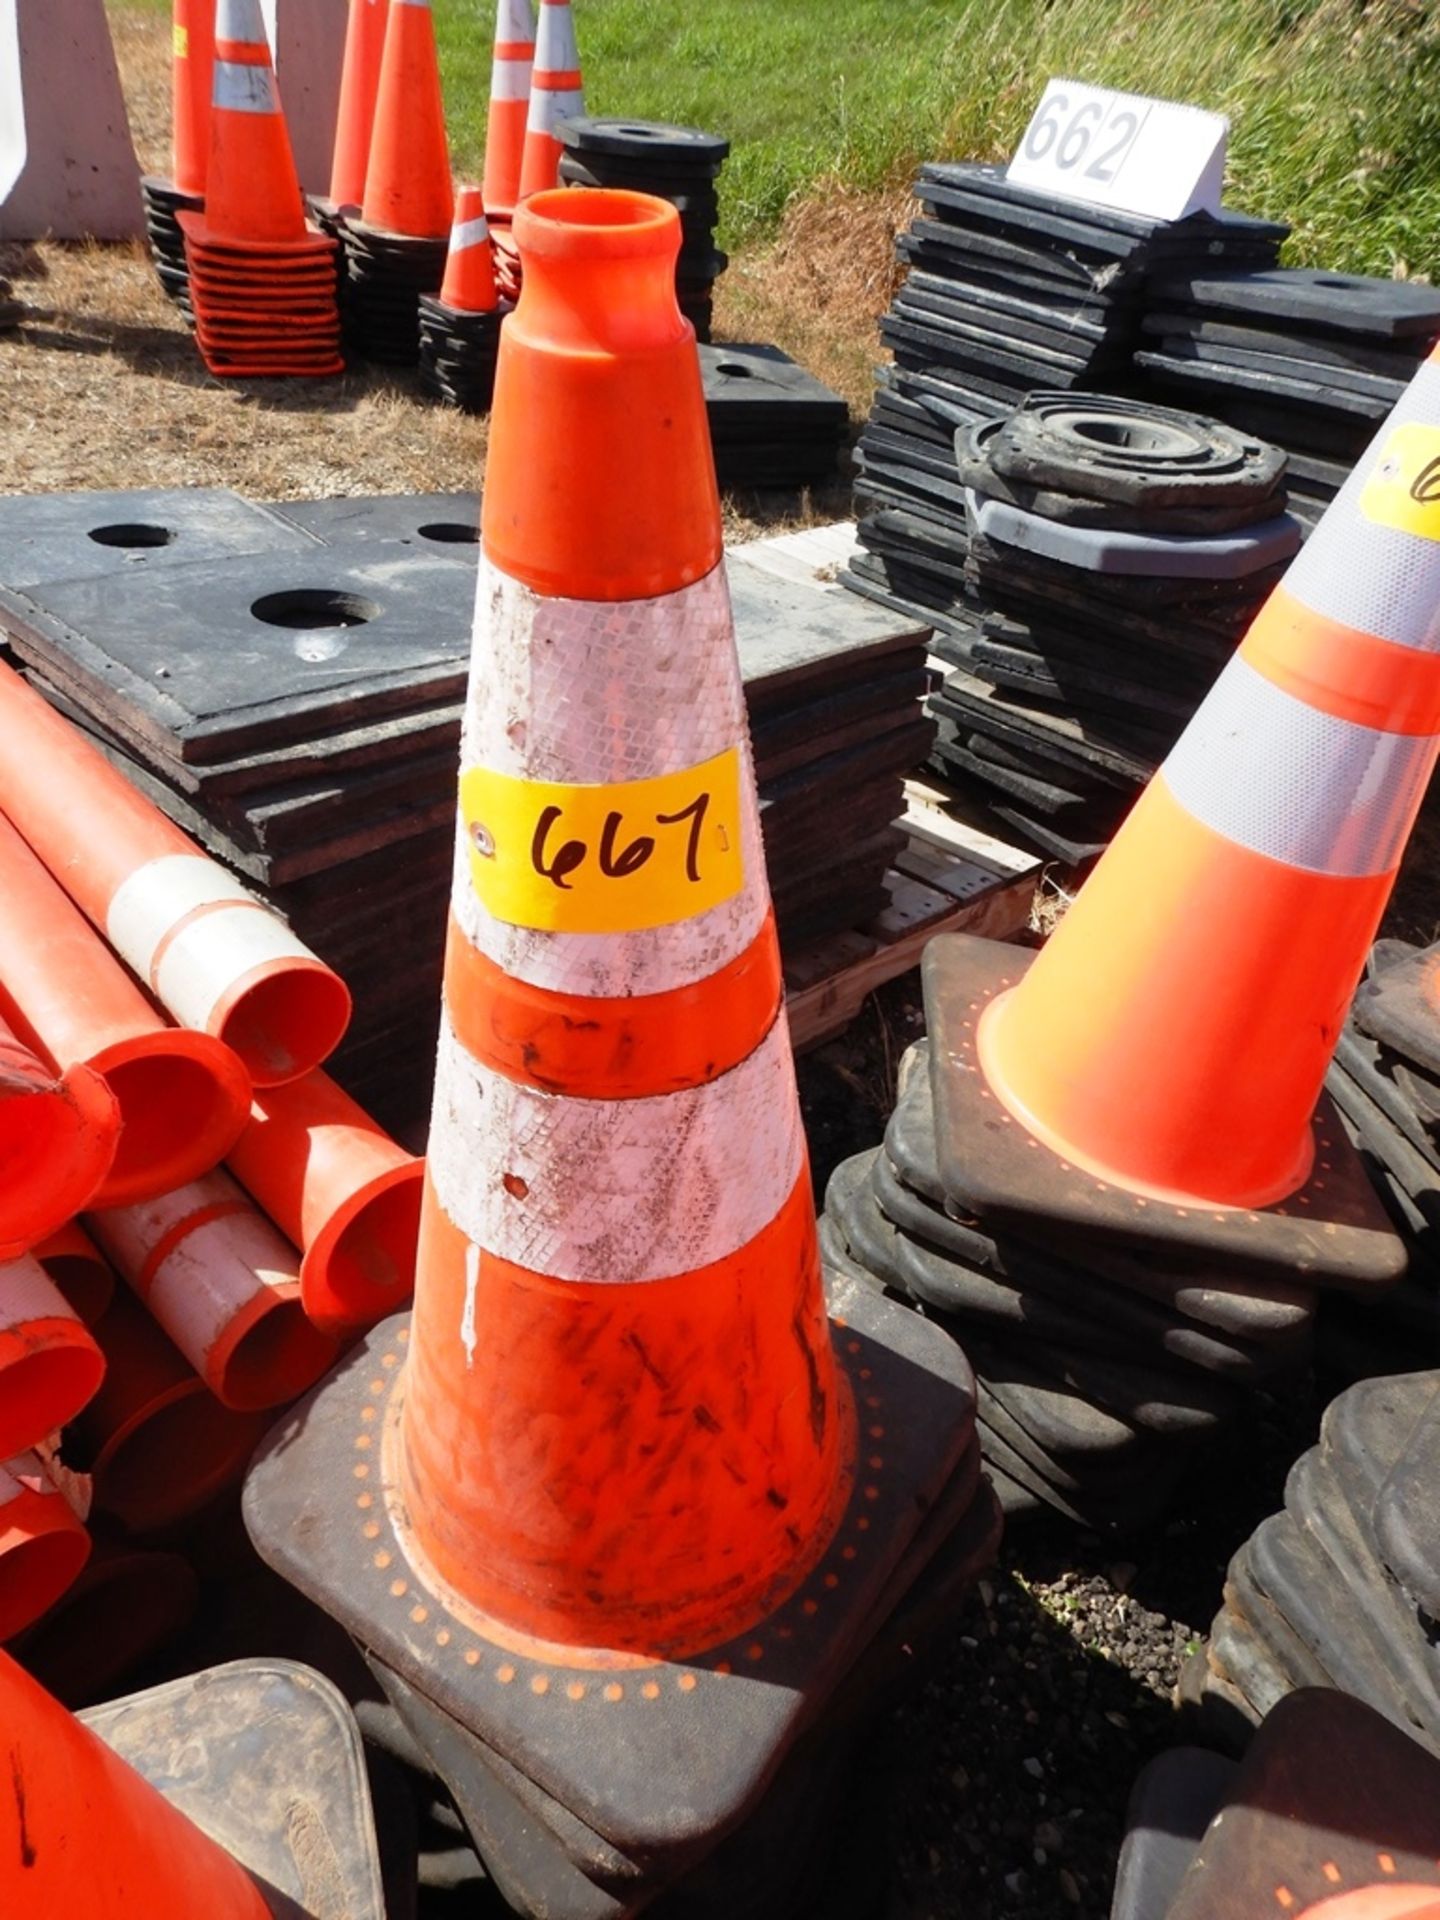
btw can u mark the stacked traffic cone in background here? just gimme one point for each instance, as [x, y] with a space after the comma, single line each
[460, 330]
[626, 1505]
[1127, 1105]
[359, 85]
[395, 246]
[510, 75]
[192, 81]
[555, 94]
[262, 279]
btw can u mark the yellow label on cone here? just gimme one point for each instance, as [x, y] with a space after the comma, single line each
[604, 859]
[1404, 487]
[181, 42]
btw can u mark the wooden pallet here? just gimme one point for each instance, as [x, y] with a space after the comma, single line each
[948, 878]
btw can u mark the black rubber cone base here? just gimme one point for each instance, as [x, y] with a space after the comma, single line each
[265, 1757]
[1332, 1232]
[1172, 1803]
[654, 1757]
[1400, 1004]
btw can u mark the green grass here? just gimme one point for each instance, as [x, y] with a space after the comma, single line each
[1334, 105]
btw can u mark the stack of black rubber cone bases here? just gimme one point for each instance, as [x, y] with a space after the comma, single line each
[1329, 1800]
[458, 352]
[772, 424]
[384, 278]
[164, 202]
[1094, 565]
[1341, 1588]
[1313, 360]
[1385, 1079]
[1113, 1347]
[678, 164]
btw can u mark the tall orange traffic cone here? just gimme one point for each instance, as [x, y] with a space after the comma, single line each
[407, 179]
[57, 1141]
[215, 956]
[192, 79]
[43, 1543]
[510, 72]
[82, 1833]
[555, 95]
[50, 1367]
[359, 83]
[1160, 1063]
[618, 1515]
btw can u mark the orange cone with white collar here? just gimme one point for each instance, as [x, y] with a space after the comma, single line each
[555, 95]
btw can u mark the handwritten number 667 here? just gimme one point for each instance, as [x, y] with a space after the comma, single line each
[615, 861]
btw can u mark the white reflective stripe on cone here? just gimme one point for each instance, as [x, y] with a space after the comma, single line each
[241, 21]
[550, 104]
[469, 233]
[243, 88]
[514, 23]
[27, 1293]
[555, 48]
[510, 79]
[1294, 783]
[598, 693]
[1353, 569]
[616, 1191]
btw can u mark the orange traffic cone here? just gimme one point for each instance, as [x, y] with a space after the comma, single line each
[509, 105]
[333, 1181]
[214, 955]
[181, 1097]
[460, 332]
[469, 283]
[224, 1286]
[407, 180]
[43, 1544]
[555, 95]
[192, 77]
[1159, 1065]
[82, 1833]
[359, 83]
[57, 1141]
[50, 1367]
[617, 1515]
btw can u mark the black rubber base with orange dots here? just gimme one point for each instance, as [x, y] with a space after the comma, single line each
[1332, 1232]
[608, 1744]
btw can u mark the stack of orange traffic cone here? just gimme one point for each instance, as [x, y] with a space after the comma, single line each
[262, 280]
[192, 65]
[395, 248]
[555, 94]
[510, 73]
[460, 331]
[359, 84]
[626, 1504]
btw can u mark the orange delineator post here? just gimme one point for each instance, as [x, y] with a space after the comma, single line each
[509, 106]
[225, 1286]
[192, 68]
[1173, 1035]
[469, 284]
[555, 95]
[359, 83]
[57, 1141]
[407, 180]
[50, 1367]
[617, 1180]
[82, 1834]
[182, 1096]
[43, 1544]
[342, 1190]
[76, 1267]
[215, 956]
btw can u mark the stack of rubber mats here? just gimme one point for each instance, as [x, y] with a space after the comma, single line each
[1105, 559]
[384, 277]
[1329, 1802]
[263, 309]
[1385, 1079]
[1312, 360]
[1341, 1587]
[164, 203]
[287, 684]
[458, 352]
[1102, 1373]
[678, 164]
[772, 424]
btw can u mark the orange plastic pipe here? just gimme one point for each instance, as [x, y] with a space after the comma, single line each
[215, 956]
[43, 1545]
[157, 1443]
[182, 1096]
[339, 1187]
[192, 71]
[359, 82]
[127, 1605]
[57, 1140]
[49, 1365]
[224, 1285]
[82, 1834]
[78, 1269]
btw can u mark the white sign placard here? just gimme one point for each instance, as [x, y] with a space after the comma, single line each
[12, 101]
[1121, 150]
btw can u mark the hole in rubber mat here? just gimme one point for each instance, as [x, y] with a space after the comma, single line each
[137, 533]
[316, 610]
[1335, 280]
[1137, 435]
[450, 533]
[736, 367]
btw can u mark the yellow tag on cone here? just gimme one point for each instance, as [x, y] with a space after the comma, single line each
[1403, 490]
